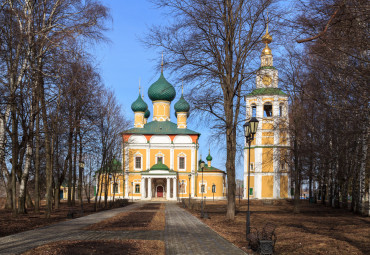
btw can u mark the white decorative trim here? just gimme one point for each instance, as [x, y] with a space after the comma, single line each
[159, 154]
[138, 155]
[200, 187]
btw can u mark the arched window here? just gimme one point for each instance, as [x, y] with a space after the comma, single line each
[267, 110]
[254, 110]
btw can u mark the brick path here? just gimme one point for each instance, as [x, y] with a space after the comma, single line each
[183, 234]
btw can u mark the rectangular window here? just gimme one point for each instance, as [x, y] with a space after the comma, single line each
[202, 189]
[251, 191]
[160, 159]
[137, 188]
[280, 111]
[182, 163]
[213, 188]
[252, 166]
[115, 188]
[138, 162]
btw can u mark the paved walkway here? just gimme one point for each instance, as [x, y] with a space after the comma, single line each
[183, 234]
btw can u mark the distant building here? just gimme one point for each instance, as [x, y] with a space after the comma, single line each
[269, 104]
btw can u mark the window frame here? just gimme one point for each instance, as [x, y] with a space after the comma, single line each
[137, 187]
[138, 155]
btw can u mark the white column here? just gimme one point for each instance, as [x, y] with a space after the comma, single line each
[149, 188]
[126, 186]
[148, 157]
[142, 188]
[192, 182]
[172, 153]
[174, 188]
[168, 189]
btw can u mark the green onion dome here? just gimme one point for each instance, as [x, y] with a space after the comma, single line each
[182, 105]
[139, 105]
[159, 166]
[209, 157]
[147, 114]
[161, 90]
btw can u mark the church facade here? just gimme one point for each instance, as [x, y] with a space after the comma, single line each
[160, 158]
[269, 177]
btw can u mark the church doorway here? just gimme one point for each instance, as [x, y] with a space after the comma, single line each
[159, 191]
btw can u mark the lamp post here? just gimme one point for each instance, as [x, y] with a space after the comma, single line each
[189, 188]
[202, 189]
[132, 192]
[250, 129]
[213, 191]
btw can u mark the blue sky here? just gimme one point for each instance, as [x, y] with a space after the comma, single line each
[124, 61]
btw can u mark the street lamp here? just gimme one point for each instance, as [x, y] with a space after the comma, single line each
[213, 191]
[202, 189]
[189, 188]
[132, 192]
[250, 129]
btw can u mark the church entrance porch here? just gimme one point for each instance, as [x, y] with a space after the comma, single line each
[159, 187]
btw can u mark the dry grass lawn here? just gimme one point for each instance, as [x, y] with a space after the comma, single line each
[23, 222]
[148, 217]
[316, 230]
[112, 247]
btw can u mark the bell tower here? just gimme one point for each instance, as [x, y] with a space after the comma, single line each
[269, 104]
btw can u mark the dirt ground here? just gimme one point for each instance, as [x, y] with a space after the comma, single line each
[137, 247]
[12, 225]
[146, 217]
[316, 230]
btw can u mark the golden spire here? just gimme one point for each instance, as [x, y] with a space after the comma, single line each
[266, 39]
[162, 63]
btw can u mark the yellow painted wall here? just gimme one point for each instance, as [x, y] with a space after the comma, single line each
[188, 160]
[283, 186]
[184, 178]
[181, 119]
[161, 109]
[267, 186]
[166, 153]
[139, 118]
[268, 99]
[267, 160]
[132, 158]
[267, 138]
[209, 180]
[267, 125]
[252, 159]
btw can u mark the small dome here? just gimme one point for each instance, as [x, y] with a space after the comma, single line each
[139, 105]
[209, 157]
[182, 105]
[266, 51]
[147, 114]
[161, 90]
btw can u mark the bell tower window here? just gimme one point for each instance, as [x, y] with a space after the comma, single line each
[254, 110]
[267, 110]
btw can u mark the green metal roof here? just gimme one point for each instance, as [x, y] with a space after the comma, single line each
[161, 128]
[182, 105]
[161, 90]
[266, 67]
[210, 169]
[267, 92]
[159, 166]
[139, 105]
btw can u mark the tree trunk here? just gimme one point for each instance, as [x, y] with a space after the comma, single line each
[297, 185]
[37, 163]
